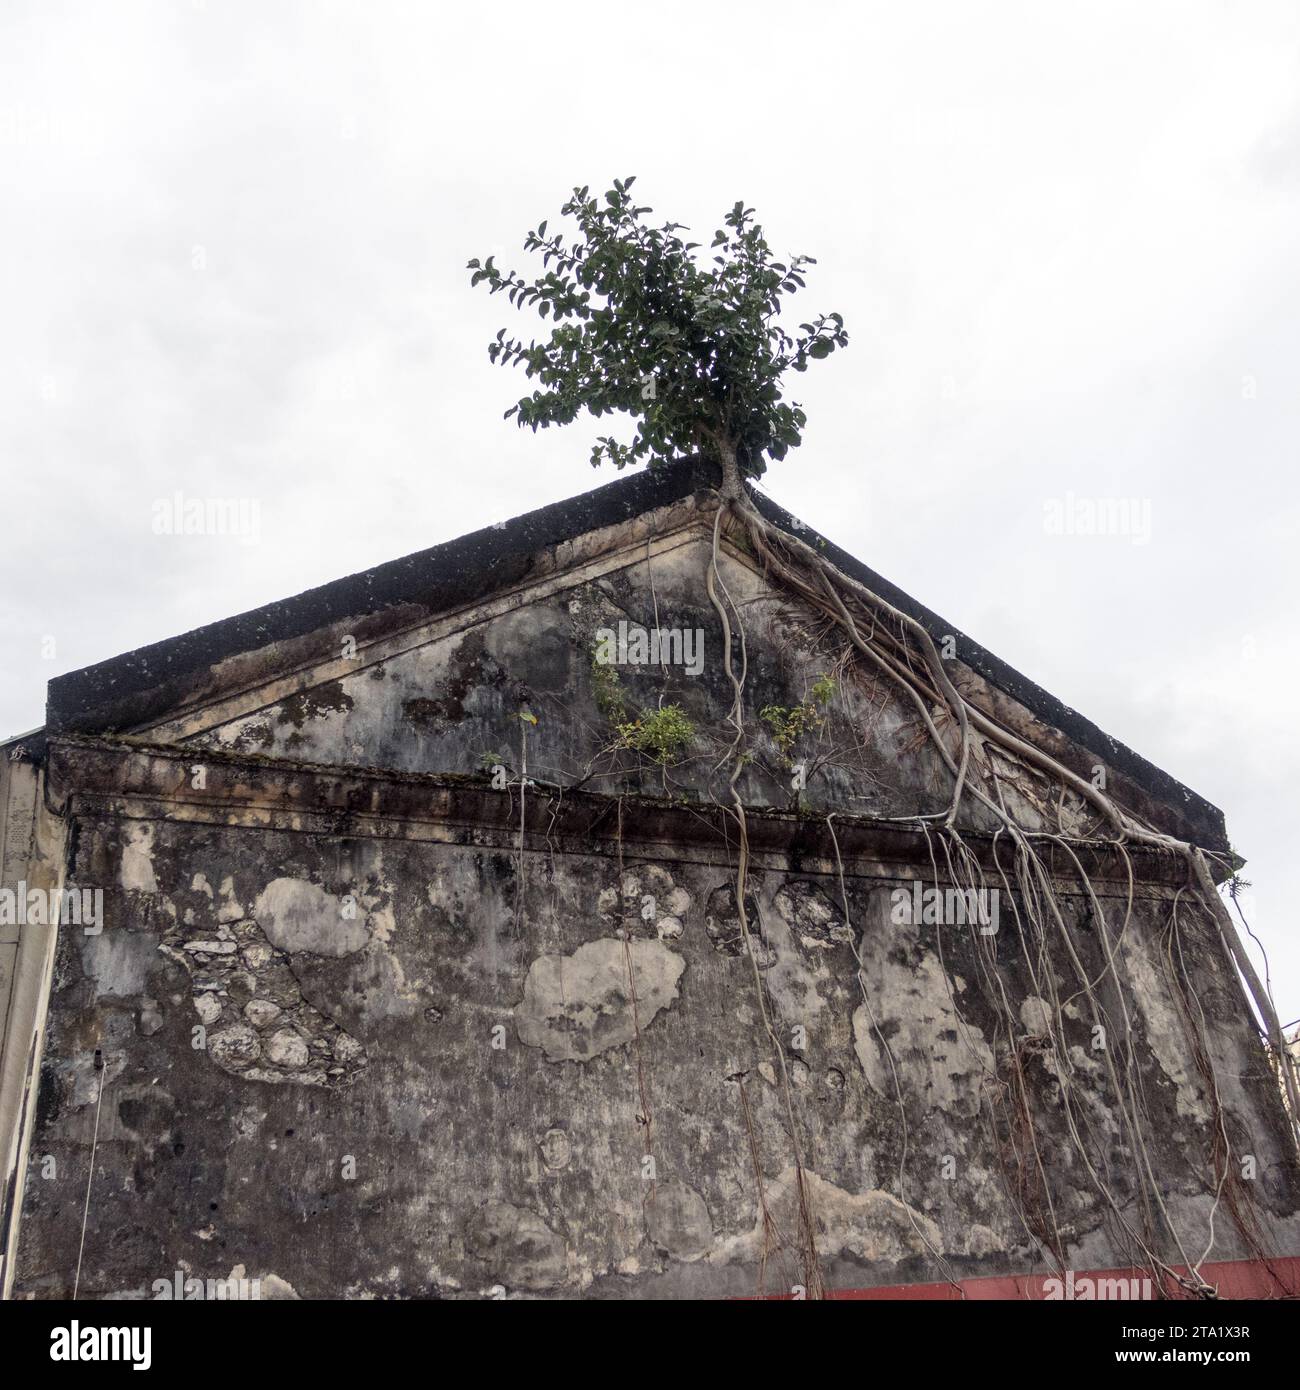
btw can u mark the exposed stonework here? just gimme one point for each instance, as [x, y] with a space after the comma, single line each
[645, 902]
[809, 913]
[254, 1019]
[724, 929]
[259, 1025]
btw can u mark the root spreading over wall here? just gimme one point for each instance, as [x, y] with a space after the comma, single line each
[1001, 773]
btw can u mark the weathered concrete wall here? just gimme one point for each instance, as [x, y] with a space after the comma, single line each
[371, 1024]
[420, 1071]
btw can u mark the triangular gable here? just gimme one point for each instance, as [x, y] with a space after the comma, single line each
[425, 664]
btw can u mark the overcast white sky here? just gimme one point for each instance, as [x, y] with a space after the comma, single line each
[1064, 239]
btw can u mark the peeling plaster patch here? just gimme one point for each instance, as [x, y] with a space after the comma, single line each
[382, 924]
[1164, 1028]
[516, 1246]
[678, 1221]
[1036, 1016]
[320, 702]
[274, 1287]
[251, 734]
[942, 1057]
[136, 871]
[301, 916]
[118, 962]
[980, 1240]
[577, 1006]
[873, 1226]
[231, 909]
[793, 973]
[378, 986]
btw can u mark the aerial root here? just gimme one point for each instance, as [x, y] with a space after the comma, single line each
[900, 650]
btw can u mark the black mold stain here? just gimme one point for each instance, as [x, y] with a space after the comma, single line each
[312, 704]
[473, 668]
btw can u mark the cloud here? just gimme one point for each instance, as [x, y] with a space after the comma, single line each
[232, 264]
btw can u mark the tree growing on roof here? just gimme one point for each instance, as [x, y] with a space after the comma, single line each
[686, 340]
[696, 353]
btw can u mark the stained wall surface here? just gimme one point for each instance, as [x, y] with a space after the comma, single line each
[390, 1065]
[399, 993]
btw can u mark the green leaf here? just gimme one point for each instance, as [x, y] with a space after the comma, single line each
[626, 300]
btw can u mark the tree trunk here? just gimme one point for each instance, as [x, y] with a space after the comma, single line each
[731, 484]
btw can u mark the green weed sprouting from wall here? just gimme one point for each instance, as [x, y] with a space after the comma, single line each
[788, 725]
[611, 700]
[662, 734]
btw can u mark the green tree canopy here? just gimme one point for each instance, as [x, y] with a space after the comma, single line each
[691, 347]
